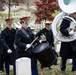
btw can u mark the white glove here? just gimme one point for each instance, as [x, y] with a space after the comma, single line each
[28, 45]
[40, 41]
[9, 51]
[71, 32]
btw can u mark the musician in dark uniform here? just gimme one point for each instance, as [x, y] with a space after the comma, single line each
[8, 35]
[47, 32]
[24, 37]
[68, 49]
[1, 51]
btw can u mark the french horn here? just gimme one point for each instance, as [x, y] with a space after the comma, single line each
[67, 7]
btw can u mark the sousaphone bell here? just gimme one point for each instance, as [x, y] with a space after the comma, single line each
[67, 7]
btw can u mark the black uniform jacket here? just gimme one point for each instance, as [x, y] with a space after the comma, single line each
[1, 51]
[1, 45]
[48, 34]
[21, 40]
[8, 36]
[67, 49]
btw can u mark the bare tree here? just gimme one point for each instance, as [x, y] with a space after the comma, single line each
[1, 6]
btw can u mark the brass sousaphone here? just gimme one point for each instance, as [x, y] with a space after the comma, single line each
[67, 7]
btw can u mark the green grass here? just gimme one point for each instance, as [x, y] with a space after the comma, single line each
[55, 70]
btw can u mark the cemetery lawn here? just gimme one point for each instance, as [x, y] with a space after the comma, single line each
[54, 71]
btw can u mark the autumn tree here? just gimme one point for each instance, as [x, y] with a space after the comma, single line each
[1, 6]
[45, 9]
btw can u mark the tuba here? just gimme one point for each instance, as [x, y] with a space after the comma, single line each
[67, 7]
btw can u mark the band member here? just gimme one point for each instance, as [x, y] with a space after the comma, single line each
[68, 49]
[47, 32]
[1, 51]
[24, 37]
[8, 35]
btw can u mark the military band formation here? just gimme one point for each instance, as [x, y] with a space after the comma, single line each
[14, 42]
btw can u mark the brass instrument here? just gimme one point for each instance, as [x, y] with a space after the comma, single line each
[68, 7]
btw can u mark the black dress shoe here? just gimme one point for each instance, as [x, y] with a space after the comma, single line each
[63, 68]
[73, 70]
[42, 67]
[2, 70]
[55, 63]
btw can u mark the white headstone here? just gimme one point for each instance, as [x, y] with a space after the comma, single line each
[58, 47]
[23, 66]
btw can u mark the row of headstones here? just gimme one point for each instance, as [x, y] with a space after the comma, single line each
[31, 24]
[15, 7]
[17, 15]
[14, 16]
